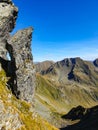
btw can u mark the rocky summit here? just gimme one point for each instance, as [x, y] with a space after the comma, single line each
[20, 68]
[73, 69]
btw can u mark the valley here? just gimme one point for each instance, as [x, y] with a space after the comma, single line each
[65, 84]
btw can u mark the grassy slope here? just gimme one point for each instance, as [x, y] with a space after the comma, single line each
[30, 120]
[53, 101]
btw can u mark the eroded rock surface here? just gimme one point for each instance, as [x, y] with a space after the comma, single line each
[10, 119]
[20, 68]
[8, 15]
[19, 47]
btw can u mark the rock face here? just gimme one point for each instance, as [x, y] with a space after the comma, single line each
[23, 62]
[20, 67]
[8, 15]
[7, 115]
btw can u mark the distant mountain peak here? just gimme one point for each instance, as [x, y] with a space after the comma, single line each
[42, 66]
[73, 69]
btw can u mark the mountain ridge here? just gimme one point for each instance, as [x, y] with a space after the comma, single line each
[70, 68]
[40, 66]
[55, 87]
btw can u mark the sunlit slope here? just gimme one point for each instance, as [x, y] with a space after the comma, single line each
[16, 114]
[73, 70]
[53, 100]
[40, 66]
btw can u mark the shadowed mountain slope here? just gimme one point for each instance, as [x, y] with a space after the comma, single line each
[53, 101]
[66, 84]
[96, 62]
[88, 118]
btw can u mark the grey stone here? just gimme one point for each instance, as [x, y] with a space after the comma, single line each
[19, 47]
[8, 15]
[9, 118]
[20, 68]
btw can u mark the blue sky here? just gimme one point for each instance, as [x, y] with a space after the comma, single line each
[62, 28]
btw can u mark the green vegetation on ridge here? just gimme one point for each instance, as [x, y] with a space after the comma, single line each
[64, 85]
[17, 114]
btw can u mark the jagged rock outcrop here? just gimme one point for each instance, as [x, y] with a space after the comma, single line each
[19, 47]
[8, 15]
[20, 68]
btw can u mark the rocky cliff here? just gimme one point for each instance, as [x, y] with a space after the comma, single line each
[19, 47]
[17, 76]
[8, 15]
[20, 68]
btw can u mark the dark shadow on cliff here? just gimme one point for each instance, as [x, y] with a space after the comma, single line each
[6, 66]
[88, 118]
[10, 73]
